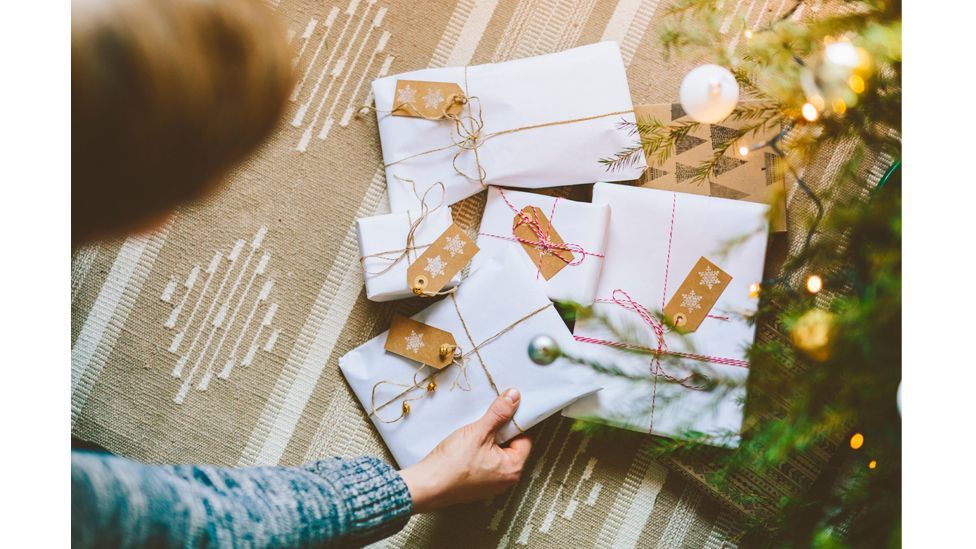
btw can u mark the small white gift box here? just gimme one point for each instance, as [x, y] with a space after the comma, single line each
[655, 241]
[383, 249]
[535, 122]
[502, 312]
[568, 235]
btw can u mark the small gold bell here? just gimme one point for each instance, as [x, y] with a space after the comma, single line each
[431, 387]
[406, 408]
[446, 350]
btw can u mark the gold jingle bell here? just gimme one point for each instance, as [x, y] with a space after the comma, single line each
[406, 408]
[431, 387]
[446, 350]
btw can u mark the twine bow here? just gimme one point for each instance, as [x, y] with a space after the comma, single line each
[460, 379]
[410, 246]
[543, 237]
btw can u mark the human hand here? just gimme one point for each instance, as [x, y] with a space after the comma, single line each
[469, 465]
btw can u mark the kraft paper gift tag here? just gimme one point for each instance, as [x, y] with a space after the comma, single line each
[382, 239]
[577, 230]
[498, 305]
[539, 122]
[755, 177]
[655, 246]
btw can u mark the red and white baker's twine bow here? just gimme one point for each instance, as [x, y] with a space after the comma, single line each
[543, 236]
[623, 299]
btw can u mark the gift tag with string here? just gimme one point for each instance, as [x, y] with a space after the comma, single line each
[452, 250]
[422, 99]
[532, 228]
[696, 296]
[418, 341]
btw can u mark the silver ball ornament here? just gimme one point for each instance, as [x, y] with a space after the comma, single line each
[543, 350]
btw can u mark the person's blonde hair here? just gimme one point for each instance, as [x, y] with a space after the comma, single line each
[166, 96]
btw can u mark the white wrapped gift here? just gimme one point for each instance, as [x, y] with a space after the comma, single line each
[494, 303]
[576, 247]
[559, 114]
[384, 253]
[655, 240]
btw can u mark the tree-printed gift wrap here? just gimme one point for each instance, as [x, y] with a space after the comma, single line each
[678, 280]
[562, 241]
[492, 317]
[537, 122]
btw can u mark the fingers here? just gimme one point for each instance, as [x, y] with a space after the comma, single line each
[501, 411]
[519, 448]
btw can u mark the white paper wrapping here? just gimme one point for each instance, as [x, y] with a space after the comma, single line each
[490, 299]
[577, 83]
[578, 223]
[640, 243]
[383, 233]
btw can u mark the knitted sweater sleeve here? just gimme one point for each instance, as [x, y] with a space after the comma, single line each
[334, 502]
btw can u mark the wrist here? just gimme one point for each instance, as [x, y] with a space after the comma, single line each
[423, 486]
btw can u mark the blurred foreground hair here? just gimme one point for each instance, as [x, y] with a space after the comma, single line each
[166, 96]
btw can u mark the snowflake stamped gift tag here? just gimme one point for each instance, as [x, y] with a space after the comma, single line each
[444, 258]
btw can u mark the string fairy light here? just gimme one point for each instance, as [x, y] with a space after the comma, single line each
[857, 440]
[814, 284]
[872, 464]
[810, 112]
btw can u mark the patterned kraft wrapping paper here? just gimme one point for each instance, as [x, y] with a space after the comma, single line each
[640, 263]
[577, 83]
[383, 233]
[490, 299]
[578, 223]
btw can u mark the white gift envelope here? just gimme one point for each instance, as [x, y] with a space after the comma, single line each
[556, 238]
[503, 311]
[655, 245]
[535, 122]
[382, 247]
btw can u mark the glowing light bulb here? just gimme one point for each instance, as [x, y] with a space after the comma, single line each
[810, 112]
[754, 289]
[856, 83]
[743, 150]
[748, 33]
[814, 284]
[872, 464]
[857, 441]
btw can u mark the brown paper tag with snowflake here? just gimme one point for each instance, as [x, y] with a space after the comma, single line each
[418, 341]
[525, 226]
[452, 250]
[421, 99]
[697, 295]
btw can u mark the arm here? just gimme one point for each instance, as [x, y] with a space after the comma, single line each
[117, 502]
[120, 503]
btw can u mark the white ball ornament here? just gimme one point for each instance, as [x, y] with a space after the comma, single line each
[709, 93]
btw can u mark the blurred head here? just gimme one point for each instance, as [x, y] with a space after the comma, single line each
[166, 97]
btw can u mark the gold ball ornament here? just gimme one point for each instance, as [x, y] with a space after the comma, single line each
[406, 408]
[431, 387]
[446, 350]
[813, 334]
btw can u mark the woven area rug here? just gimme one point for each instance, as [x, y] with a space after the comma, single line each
[252, 296]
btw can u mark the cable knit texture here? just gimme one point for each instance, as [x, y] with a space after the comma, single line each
[333, 502]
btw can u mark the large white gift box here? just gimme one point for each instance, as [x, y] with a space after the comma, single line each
[655, 240]
[571, 235]
[503, 311]
[384, 253]
[547, 121]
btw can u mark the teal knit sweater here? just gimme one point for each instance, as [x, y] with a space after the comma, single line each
[333, 502]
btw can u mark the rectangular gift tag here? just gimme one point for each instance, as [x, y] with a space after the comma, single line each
[697, 295]
[423, 99]
[548, 262]
[452, 250]
[418, 341]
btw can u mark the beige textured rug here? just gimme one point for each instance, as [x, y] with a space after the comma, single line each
[252, 296]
